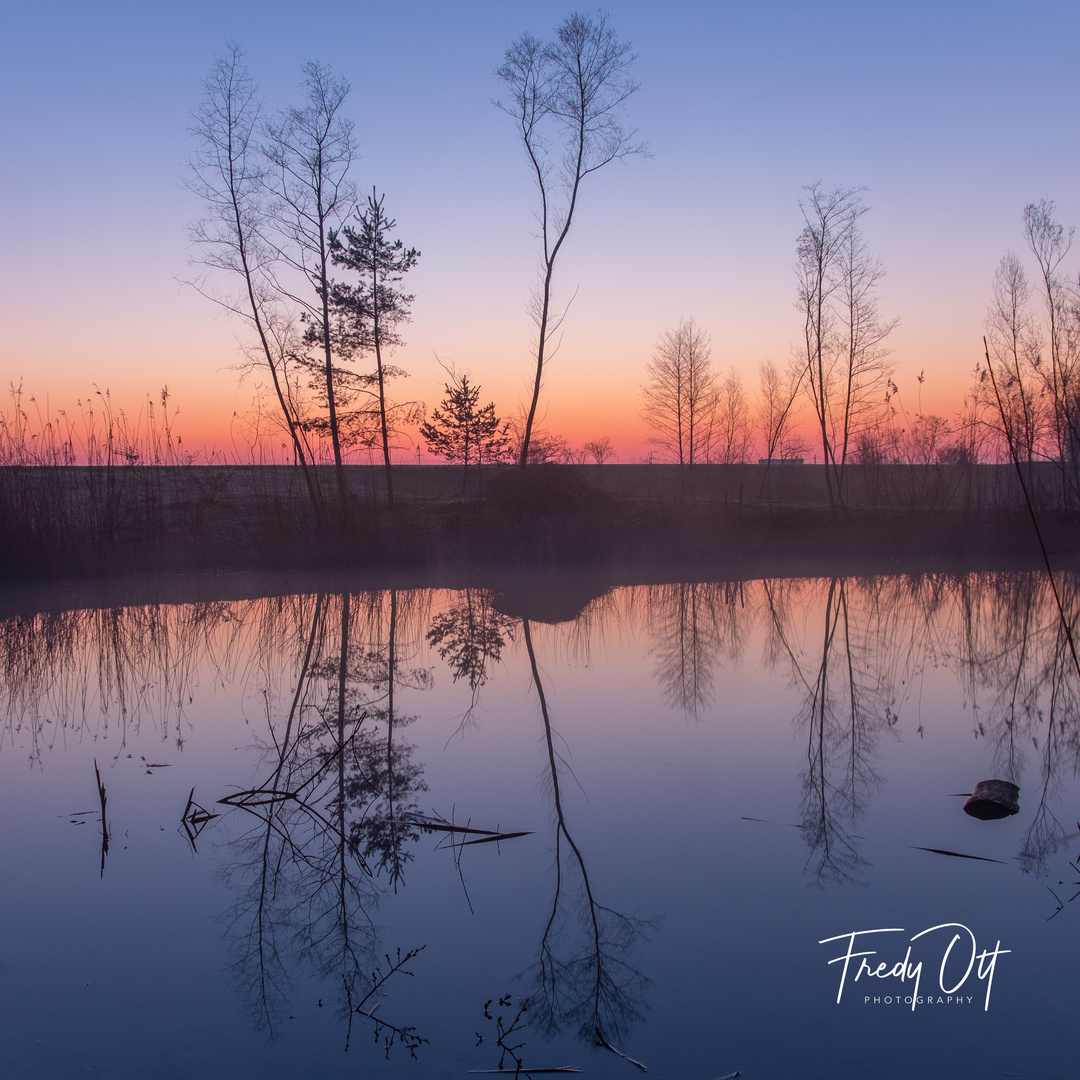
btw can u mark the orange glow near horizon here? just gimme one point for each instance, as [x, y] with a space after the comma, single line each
[212, 413]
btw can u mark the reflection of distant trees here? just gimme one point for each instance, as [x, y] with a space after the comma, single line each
[854, 647]
[1013, 652]
[848, 701]
[584, 975]
[693, 626]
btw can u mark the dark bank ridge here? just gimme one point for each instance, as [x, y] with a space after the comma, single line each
[70, 522]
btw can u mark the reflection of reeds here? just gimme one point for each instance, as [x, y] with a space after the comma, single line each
[102, 668]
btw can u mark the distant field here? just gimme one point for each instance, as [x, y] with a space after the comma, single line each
[77, 520]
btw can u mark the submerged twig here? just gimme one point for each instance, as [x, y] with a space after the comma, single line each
[601, 1041]
[194, 819]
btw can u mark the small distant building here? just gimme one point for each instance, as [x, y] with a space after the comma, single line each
[780, 461]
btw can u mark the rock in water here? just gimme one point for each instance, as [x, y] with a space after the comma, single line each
[992, 799]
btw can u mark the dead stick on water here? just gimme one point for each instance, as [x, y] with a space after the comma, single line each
[601, 1041]
[104, 826]
[1031, 510]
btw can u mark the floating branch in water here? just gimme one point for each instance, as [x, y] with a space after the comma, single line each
[440, 824]
[503, 1032]
[913, 847]
[601, 1041]
[955, 854]
[104, 824]
[194, 819]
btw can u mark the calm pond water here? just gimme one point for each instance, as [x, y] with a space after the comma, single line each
[228, 852]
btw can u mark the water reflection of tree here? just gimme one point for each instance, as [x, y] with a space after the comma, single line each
[847, 703]
[470, 636]
[330, 816]
[1014, 654]
[385, 779]
[584, 975]
[694, 625]
[302, 890]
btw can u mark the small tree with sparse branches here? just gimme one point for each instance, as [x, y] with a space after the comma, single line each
[681, 394]
[599, 449]
[463, 430]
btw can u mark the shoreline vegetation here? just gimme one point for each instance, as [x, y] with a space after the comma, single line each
[70, 522]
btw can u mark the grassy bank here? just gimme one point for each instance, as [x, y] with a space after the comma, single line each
[76, 521]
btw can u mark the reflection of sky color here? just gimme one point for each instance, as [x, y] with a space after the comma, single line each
[952, 115]
[108, 973]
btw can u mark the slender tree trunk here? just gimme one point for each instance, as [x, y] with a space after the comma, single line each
[545, 310]
[376, 330]
[310, 481]
[324, 290]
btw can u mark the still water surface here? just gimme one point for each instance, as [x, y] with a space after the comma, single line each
[709, 780]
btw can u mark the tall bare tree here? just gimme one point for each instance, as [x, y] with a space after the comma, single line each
[732, 430]
[1014, 345]
[227, 171]
[843, 332]
[777, 408]
[862, 357]
[309, 149]
[1050, 243]
[681, 393]
[567, 98]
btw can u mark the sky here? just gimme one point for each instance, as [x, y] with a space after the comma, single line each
[953, 115]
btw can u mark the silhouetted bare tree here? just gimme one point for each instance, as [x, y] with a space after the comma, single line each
[843, 332]
[599, 449]
[567, 98]
[681, 394]
[1050, 242]
[732, 431]
[777, 411]
[309, 149]
[228, 172]
[1014, 345]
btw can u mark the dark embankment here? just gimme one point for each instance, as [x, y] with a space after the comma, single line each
[69, 522]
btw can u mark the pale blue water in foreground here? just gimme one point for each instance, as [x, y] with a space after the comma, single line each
[712, 779]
